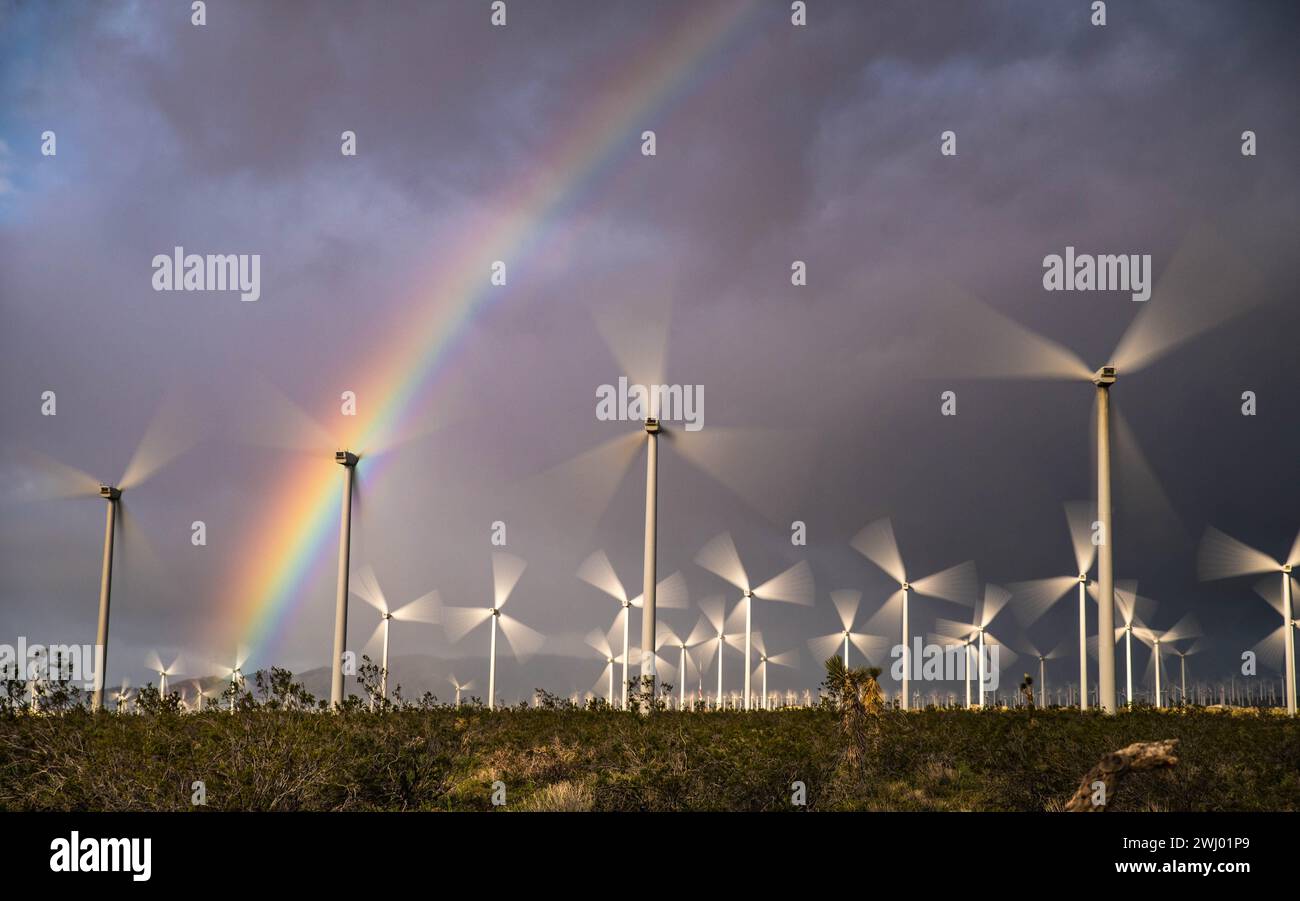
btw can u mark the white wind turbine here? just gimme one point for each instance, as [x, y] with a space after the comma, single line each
[234, 675]
[460, 621]
[1195, 648]
[1204, 285]
[976, 632]
[1038, 595]
[598, 572]
[1132, 609]
[1056, 652]
[713, 609]
[957, 584]
[460, 686]
[698, 648]
[425, 609]
[1222, 556]
[600, 642]
[1185, 628]
[163, 670]
[1271, 649]
[789, 659]
[824, 646]
[170, 433]
[793, 586]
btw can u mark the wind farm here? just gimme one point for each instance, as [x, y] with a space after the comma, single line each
[469, 393]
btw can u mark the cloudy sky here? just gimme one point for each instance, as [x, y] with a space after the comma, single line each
[476, 403]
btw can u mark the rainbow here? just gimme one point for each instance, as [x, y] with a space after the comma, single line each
[302, 516]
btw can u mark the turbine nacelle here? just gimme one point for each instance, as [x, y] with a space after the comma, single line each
[110, 492]
[1104, 377]
[906, 586]
[652, 425]
[1286, 568]
[345, 458]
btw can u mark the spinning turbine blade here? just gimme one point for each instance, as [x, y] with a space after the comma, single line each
[365, 585]
[598, 572]
[876, 542]
[721, 558]
[846, 605]
[1205, 284]
[958, 584]
[670, 593]
[44, 478]
[506, 570]
[995, 598]
[886, 618]
[824, 647]
[1079, 516]
[523, 641]
[457, 622]
[712, 608]
[597, 640]
[794, 586]
[173, 430]
[1270, 591]
[1038, 595]
[425, 609]
[1223, 557]
[872, 647]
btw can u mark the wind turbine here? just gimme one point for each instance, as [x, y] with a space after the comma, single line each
[156, 665]
[234, 674]
[994, 600]
[846, 605]
[460, 621]
[121, 697]
[1186, 627]
[1058, 651]
[789, 658]
[702, 638]
[598, 572]
[169, 434]
[1040, 594]
[460, 686]
[600, 642]
[1203, 286]
[793, 586]
[425, 609]
[957, 584]
[1127, 602]
[1222, 557]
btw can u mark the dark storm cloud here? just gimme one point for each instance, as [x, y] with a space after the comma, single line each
[818, 144]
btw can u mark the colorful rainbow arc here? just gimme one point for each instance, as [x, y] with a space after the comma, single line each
[303, 515]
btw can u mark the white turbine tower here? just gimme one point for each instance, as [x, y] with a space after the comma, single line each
[425, 609]
[713, 609]
[824, 646]
[1222, 556]
[1203, 285]
[957, 584]
[460, 621]
[789, 659]
[1196, 647]
[671, 593]
[1056, 652]
[794, 586]
[1039, 595]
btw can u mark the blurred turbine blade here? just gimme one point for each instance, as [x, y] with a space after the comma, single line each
[1205, 284]
[756, 639]
[755, 464]
[1139, 489]
[457, 622]
[721, 558]
[886, 619]
[873, 647]
[958, 584]
[1079, 516]
[597, 571]
[1036, 597]
[788, 658]
[523, 641]
[995, 598]
[1187, 627]
[1271, 650]
[670, 593]
[846, 605]
[794, 586]
[276, 421]
[366, 586]
[953, 629]
[374, 636]
[978, 341]
[635, 330]
[44, 478]
[427, 608]
[583, 486]
[876, 542]
[596, 638]
[174, 429]
[703, 631]
[665, 636]
[1293, 557]
[1269, 589]
[506, 570]
[824, 647]
[712, 608]
[1221, 557]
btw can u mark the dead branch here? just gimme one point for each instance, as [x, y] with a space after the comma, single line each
[1111, 769]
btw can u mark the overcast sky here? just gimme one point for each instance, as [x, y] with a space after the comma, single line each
[774, 144]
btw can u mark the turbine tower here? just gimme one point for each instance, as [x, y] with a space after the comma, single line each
[957, 584]
[794, 586]
[1222, 556]
[348, 461]
[789, 658]
[986, 611]
[424, 609]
